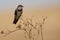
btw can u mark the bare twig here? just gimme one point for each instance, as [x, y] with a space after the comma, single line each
[28, 27]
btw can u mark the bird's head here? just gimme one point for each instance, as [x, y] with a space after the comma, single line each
[20, 7]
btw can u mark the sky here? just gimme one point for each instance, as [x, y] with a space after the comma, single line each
[6, 4]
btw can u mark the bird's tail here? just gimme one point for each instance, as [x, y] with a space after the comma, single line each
[15, 20]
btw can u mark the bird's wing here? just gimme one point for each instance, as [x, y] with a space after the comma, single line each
[15, 12]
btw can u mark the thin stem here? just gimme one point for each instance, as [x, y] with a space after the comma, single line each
[41, 33]
[10, 32]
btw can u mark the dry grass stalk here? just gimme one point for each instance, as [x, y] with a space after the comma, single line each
[28, 27]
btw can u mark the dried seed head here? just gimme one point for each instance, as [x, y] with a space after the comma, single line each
[19, 26]
[2, 32]
[24, 29]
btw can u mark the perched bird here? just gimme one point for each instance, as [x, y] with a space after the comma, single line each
[18, 13]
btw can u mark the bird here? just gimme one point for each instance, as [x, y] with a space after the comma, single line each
[18, 13]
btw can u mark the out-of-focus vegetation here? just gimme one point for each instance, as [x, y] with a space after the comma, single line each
[28, 27]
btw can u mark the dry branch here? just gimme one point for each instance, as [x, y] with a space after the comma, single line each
[28, 27]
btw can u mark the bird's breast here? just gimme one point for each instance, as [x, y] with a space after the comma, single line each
[19, 14]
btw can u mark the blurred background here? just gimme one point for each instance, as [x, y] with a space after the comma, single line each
[35, 8]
